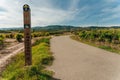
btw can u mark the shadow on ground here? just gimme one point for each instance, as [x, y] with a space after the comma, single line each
[54, 79]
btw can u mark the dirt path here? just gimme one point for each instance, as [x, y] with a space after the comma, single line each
[8, 53]
[78, 61]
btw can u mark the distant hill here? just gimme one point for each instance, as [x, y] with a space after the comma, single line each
[57, 28]
[45, 28]
[54, 28]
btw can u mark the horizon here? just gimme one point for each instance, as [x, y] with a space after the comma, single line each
[83, 26]
[70, 12]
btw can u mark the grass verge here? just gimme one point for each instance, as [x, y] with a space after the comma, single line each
[108, 48]
[41, 57]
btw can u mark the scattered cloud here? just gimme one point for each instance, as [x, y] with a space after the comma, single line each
[47, 12]
[111, 13]
[111, 1]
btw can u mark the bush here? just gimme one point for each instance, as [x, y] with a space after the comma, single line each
[109, 36]
[1, 42]
[19, 37]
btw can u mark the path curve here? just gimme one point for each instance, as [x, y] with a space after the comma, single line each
[78, 61]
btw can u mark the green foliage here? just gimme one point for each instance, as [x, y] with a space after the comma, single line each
[1, 41]
[10, 35]
[109, 48]
[108, 39]
[45, 40]
[40, 34]
[19, 37]
[41, 56]
[110, 36]
[2, 36]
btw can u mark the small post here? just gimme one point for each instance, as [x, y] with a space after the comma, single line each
[27, 34]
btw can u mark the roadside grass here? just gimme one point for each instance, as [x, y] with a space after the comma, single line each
[108, 48]
[41, 57]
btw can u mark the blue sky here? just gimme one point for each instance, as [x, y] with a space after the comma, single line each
[61, 12]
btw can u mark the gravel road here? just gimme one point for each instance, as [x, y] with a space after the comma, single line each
[78, 61]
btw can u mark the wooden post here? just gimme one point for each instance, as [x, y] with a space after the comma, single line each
[27, 35]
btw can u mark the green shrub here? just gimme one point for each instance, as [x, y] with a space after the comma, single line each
[1, 41]
[110, 35]
[19, 37]
[45, 40]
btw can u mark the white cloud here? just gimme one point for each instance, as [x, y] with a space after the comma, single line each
[113, 13]
[74, 4]
[52, 16]
[111, 1]
[11, 17]
[43, 13]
